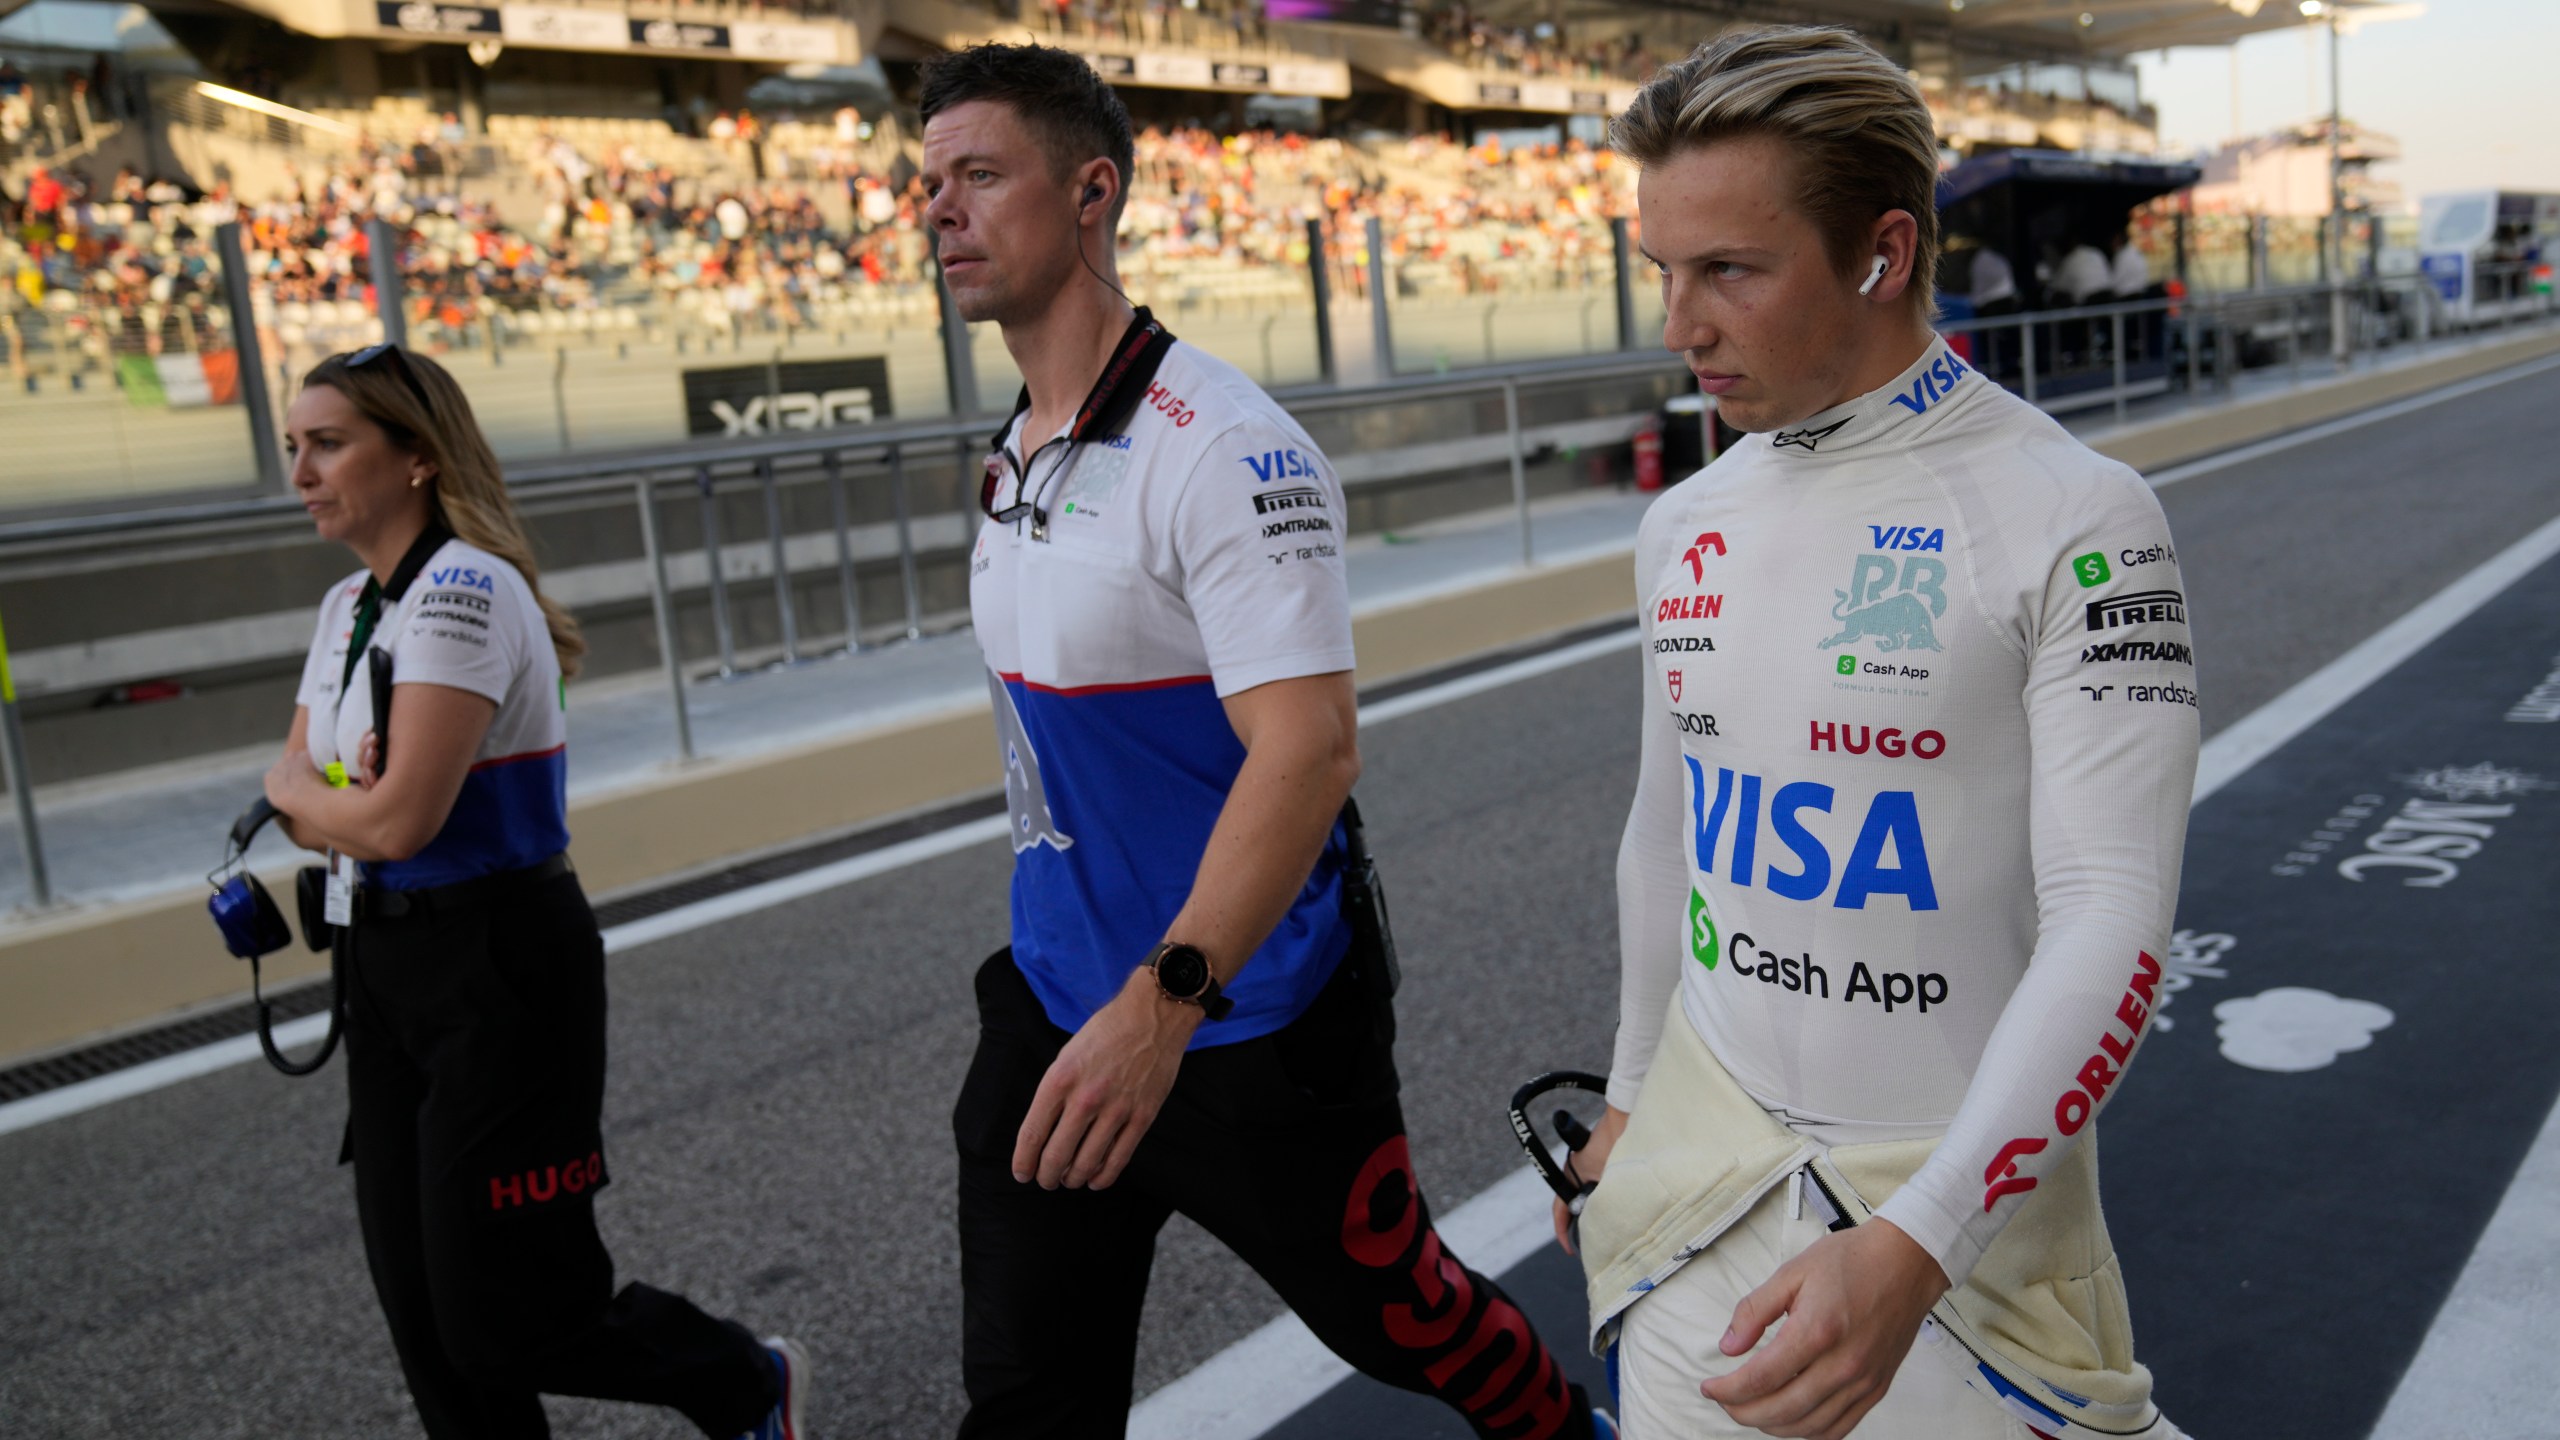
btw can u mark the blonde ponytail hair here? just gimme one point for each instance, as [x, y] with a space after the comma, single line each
[470, 491]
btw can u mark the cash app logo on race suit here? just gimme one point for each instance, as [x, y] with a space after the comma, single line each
[1702, 930]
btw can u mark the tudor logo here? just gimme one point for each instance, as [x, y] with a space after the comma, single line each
[1671, 678]
[2166, 607]
[1807, 439]
[1696, 557]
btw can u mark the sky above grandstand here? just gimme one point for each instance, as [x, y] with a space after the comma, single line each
[2465, 88]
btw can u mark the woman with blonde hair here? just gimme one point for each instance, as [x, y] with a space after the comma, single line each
[428, 759]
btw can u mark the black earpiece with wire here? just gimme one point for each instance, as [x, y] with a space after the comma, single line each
[1091, 194]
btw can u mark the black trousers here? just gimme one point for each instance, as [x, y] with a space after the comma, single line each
[1291, 1150]
[475, 1085]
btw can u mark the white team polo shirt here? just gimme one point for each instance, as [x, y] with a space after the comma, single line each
[462, 618]
[1191, 551]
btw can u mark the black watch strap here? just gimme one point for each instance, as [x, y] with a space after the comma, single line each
[1182, 972]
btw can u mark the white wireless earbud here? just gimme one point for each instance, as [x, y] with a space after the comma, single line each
[1873, 276]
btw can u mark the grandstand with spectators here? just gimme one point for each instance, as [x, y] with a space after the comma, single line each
[595, 187]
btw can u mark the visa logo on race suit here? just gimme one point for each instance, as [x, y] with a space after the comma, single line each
[1934, 383]
[1890, 855]
[463, 576]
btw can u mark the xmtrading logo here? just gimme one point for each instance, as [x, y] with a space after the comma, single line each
[2091, 569]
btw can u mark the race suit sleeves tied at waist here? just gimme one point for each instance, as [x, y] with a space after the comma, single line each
[2044, 1311]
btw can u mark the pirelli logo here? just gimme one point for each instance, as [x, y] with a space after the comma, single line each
[1299, 498]
[2142, 607]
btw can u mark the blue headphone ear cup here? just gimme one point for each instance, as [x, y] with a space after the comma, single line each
[246, 914]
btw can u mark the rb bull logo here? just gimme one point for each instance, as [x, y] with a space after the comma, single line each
[1025, 797]
[1902, 620]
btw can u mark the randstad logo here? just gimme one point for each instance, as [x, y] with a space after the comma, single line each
[1279, 465]
[467, 578]
[1934, 384]
[1890, 856]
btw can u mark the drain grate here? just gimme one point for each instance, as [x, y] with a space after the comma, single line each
[107, 1056]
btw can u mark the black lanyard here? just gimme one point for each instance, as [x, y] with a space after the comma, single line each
[369, 604]
[1106, 409]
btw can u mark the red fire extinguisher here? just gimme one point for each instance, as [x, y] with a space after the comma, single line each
[1648, 446]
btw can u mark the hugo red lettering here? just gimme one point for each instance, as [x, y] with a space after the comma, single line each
[1888, 742]
[1173, 407]
[2098, 1074]
[1442, 1313]
[535, 1187]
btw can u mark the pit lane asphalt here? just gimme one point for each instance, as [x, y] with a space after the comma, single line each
[186, 1262]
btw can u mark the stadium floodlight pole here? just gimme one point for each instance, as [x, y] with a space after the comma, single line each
[1317, 273]
[1381, 329]
[390, 297]
[263, 441]
[1625, 282]
[959, 365]
[2338, 336]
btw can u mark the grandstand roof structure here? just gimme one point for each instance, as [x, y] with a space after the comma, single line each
[2057, 30]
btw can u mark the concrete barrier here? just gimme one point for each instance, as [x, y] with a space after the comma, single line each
[2158, 444]
[88, 973]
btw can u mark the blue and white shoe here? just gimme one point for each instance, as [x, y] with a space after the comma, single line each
[1604, 1426]
[791, 1367]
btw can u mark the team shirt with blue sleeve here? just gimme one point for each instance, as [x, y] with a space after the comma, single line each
[467, 619]
[1189, 555]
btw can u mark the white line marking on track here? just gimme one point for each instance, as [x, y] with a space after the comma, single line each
[1252, 1385]
[2478, 1371]
[2344, 423]
[152, 1075]
[223, 1054]
[2267, 728]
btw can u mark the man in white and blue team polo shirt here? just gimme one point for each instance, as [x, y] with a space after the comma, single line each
[1184, 1021]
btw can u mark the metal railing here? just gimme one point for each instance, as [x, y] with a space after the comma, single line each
[767, 467]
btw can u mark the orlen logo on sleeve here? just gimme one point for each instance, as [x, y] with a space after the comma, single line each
[2072, 1109]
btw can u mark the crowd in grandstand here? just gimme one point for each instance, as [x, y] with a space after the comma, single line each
[1542, 49]
[128, 263]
